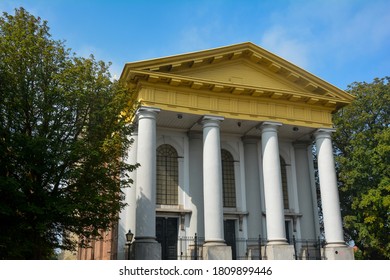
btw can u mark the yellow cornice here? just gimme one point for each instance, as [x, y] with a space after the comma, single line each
[139, 76]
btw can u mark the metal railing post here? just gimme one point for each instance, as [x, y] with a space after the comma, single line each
[295, 247]
[260, 256]
[307, 250]
[196, 247]
[319, 248]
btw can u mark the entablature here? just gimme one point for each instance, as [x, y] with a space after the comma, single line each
[142, 76]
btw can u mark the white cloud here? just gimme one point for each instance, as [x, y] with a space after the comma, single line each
[202, 36]
[193, 38]
[87, 50]
[279, 41]
[343, 31]
[116, 70]
[365, 29]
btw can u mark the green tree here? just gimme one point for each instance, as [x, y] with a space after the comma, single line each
[362, 144]
[63, 132]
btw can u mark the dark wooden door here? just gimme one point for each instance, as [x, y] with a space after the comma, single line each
[230, 235]
[288, 235]
[166, 234]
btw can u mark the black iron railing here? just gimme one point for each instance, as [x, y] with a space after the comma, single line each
[308, 249]
[191, 248]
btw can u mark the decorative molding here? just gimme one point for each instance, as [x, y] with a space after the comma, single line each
[230, 88]
[178, 212]
[237, 215]
[236, 106]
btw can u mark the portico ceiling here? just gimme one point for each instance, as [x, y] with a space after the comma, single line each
[184, 122]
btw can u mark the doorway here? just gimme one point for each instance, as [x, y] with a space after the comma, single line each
[166, 235]
[230, 235]
[287, 225]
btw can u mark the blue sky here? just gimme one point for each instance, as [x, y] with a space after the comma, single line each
[340, 41]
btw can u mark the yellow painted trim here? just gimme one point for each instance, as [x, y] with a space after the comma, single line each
[232, 88]
[237, 107]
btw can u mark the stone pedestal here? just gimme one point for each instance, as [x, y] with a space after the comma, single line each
[280, 252]
[217, 252]
[338, 253]
[145, 250]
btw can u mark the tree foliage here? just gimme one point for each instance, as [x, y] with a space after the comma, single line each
[62, 132]
[362, 144]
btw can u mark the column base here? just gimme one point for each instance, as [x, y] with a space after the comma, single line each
[282, 241]
[338, 253]
[217, 252]
[280, 252]
[146, 249]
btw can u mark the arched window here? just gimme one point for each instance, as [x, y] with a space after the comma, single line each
[228, 179]
[167, 175]
[284, 182]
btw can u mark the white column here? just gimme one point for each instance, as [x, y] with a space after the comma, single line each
[273, 192]
[146, 174]
[212, 181]
[127, 215]
[328, 185]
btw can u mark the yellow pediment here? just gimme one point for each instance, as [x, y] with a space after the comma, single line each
[243, 73]
[242, 69]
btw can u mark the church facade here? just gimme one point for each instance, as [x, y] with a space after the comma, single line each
[224, 138]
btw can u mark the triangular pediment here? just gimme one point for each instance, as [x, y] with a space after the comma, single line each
[242, 69]
[243, 73]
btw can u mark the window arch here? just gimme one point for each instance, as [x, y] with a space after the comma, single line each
[228, 179]
[283, 172]
[167, 175]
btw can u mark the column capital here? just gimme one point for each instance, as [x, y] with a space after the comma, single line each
[147, 112]
[324, 133]
[211, 120]
[269, 126]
